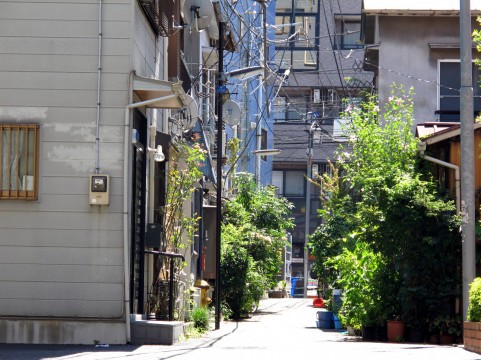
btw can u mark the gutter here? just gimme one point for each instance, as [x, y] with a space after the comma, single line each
[457, 177]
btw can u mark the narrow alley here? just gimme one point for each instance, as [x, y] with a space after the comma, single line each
[280, 329]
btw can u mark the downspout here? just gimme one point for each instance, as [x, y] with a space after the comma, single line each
[127, 139]
[99, 81]
[457, 177]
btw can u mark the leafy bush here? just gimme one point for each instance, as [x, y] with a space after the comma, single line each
[388, 236]
[253, 236]
[201, 318]
[474, 309]
[235, 265]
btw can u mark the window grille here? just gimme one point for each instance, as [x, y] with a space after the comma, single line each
[160, 14]
[18, 161]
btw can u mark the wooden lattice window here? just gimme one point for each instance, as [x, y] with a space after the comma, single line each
[19, 161]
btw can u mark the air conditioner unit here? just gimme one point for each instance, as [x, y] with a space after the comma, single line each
[316, 98]
[332, 94]
[214, 145]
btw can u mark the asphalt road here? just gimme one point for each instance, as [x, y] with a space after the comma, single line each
[281, 329]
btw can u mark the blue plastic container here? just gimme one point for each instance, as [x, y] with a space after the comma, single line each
[337, 322]
[324, 319]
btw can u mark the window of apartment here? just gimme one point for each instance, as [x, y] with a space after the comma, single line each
[18, 161]
[297, 35]
[449, 89]
[278, 180]
[294, 183]
[348, 32]
[297, 5]
[290, 108]
[264, 142]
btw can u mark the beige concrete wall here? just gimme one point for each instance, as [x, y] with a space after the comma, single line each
[405, 57]
[60, 257]
[61, 332]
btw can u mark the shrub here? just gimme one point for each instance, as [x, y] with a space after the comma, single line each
[201, 317]
[253, 237]
[474, 309]
[235, 265]
[388, 235]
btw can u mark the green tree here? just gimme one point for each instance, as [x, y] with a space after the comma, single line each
[253, 237]
[393, 209]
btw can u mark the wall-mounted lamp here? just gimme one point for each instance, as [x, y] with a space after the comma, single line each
[159, 155]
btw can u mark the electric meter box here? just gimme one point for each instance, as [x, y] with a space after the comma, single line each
[99, 189]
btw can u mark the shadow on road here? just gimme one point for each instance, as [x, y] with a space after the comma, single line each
[35, 352]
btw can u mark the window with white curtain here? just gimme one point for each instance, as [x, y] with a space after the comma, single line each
[18, 161]
[278, 180]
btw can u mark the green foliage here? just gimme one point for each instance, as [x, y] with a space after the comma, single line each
[201, 317]
[328, 239]
[388, 236]
[179, 230]
[363, 276]
[253, 236]
[235, 267]
[477, 40]
[183, 173]
[446, 325]
[474, 309]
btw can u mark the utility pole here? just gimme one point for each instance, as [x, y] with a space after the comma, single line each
[467, 153]
[263, 59]
[220, 91]
[308, 209]
[259, 135]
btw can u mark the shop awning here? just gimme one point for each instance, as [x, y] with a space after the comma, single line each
[159, 93]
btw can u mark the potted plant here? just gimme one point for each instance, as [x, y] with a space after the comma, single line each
[348, 314]
[472, 332]
[279, 291]
[448, 328]
[395, 329]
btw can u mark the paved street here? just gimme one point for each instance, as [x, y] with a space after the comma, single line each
[282, 329]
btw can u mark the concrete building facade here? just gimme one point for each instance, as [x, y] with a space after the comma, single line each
[319, 41]
[73, 77]
[416, 44]
[89, 91]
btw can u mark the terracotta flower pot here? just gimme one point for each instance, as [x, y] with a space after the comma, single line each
[446, 339]
[395, 330]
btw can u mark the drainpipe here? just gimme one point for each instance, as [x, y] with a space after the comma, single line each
[127, 139]
[99, 75]
[457, 177]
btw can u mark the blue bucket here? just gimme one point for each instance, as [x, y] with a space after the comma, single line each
[324, 319]
[337, 322]
[324, 324]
